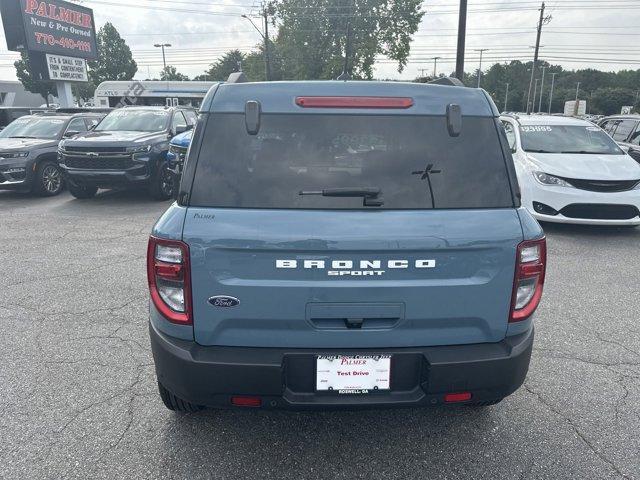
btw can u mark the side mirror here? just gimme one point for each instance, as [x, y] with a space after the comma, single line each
[180, 129]
[252, 113]
[71, 133]
[454, 119]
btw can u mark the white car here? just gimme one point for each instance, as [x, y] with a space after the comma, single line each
[571, 171]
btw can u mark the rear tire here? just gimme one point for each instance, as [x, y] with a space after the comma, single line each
[48, 180]
[176, 404]
[82, 192]
[162, 183]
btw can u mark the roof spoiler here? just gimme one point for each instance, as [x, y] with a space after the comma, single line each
[449, 81]
[237, 77]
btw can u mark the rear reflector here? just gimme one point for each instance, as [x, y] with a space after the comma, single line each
[457, 397]
[354, 102]
[246, 401]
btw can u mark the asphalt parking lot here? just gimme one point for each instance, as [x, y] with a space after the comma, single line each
[79, 400]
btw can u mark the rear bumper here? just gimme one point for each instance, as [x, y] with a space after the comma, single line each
[285, 378]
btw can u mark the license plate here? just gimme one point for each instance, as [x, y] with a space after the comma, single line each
[357, 374]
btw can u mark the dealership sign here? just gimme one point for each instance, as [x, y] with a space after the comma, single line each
[53, 27]
[67, 69]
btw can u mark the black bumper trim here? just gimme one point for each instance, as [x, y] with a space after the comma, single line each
[283, 377]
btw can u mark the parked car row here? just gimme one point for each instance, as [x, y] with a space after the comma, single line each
[85, 151]
[569, 169]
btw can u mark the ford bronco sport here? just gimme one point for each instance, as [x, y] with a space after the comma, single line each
[344, 244]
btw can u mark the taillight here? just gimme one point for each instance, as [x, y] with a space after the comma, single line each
[169, 276]
[354, 102]
[531, 263]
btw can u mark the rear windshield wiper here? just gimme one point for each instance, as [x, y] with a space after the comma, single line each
[370, 195]
[21, 136]
[577, 152]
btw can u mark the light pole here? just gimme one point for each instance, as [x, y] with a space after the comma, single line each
[506, 98]
[162, 46]
[553, 83]
[535, 92]
[481, 50]
[265, 37]
[435, 65]
[541, 90]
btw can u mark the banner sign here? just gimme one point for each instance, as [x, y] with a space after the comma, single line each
[67, 69]
[53, 27]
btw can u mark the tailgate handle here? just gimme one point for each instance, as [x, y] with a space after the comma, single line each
[354, 322]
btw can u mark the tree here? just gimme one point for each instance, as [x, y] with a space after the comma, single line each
[314, 36]
[171, 73]
[115, 61]
[230, 62]
[607, 101]
[33, 85]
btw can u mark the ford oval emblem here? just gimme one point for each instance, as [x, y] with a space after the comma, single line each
[224, 301]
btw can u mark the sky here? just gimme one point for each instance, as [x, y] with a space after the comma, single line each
[599, 34]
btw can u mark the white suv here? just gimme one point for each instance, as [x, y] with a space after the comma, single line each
[571, 171]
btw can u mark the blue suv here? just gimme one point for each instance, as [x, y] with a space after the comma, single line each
[344, 244]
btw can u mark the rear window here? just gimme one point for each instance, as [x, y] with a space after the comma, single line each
[412, 161]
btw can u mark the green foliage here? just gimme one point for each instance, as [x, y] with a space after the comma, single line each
[230, 62]
[31, 84]
[313, 35]
[115, 61]
[605, 92]
[171, 73]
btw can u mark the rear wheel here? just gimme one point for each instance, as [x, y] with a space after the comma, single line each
[48, 180]
[162, 184]
[81, 191]
[176, 404]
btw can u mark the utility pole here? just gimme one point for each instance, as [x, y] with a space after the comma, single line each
[576, 109]
[435, 66]
[267, 55]
[543, 21]
[506, 98]
[541, 90]
[553, 83]
[535, 92]
[347, 48]
[481, 50]
[265, 37]
[462, 34]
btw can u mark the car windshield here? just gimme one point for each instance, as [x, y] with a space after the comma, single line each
[587, 139]
[34, 127]
[134, 120]
[350, 161]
